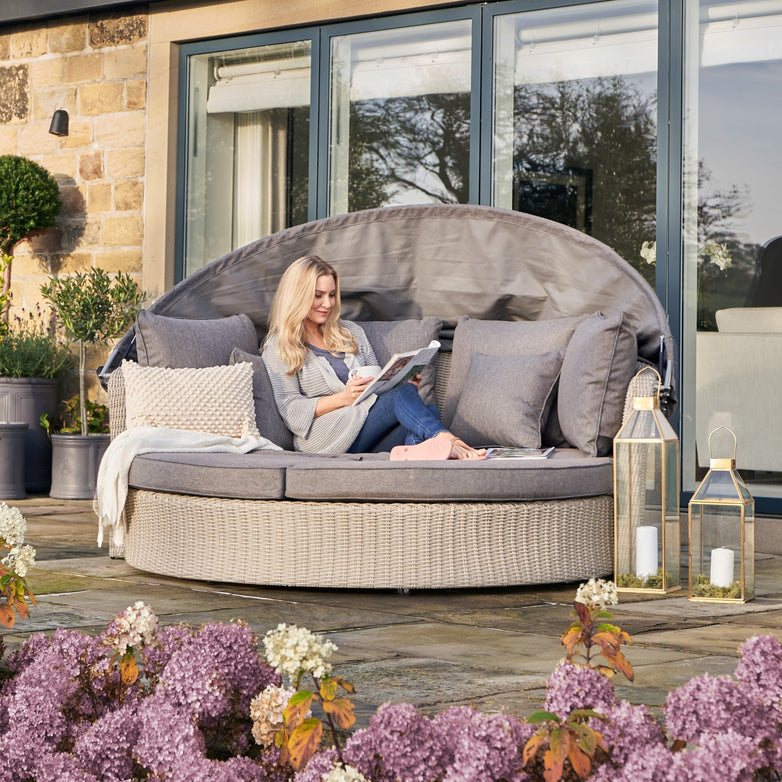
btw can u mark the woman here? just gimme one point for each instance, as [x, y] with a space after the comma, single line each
[310, 354]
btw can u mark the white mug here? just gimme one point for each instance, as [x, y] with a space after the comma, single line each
[368, 371]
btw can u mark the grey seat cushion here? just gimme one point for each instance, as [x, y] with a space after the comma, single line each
[259, 475]
[272, 475]
[567, 473]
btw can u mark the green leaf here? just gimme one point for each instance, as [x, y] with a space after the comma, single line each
[542, 716]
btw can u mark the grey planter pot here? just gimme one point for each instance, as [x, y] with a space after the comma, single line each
[75, 461]
[12, 445]
[24, 400]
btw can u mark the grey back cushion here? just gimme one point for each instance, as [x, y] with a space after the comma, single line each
[184, 342]
[399, 336]
[267, 415]
[501, 338]
[506, 399]
[598, 366]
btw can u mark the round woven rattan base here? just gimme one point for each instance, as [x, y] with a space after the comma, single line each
[369, 545]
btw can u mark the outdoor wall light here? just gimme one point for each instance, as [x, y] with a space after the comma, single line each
[647, 535]
[59, 126]
[722, 534]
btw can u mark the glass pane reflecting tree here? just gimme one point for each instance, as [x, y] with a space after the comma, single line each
[732, 251]
[248, 147]
[400, 117]
[575, 120]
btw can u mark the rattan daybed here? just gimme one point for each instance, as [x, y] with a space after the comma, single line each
[283, 518]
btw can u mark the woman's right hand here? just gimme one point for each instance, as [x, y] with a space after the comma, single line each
[354, 388]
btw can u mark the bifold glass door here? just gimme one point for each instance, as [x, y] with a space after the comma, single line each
[399, 111]
[732, 319]
[574, 120]
[247, 156]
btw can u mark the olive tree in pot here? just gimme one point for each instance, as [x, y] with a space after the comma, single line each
[92, 308]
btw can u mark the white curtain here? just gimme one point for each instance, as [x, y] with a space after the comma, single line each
[259, 175]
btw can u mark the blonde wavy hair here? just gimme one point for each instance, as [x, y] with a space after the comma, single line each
[291, 305]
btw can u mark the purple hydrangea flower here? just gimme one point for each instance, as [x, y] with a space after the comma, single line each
[709, 705]
[570, 687]
[760, 671]
[626, 728]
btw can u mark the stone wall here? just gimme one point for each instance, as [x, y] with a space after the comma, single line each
[96, 68]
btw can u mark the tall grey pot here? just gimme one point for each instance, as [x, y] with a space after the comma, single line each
[24, 400]
[75, 461]
[12, 443]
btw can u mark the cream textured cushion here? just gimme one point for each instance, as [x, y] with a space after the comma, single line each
[218, 399]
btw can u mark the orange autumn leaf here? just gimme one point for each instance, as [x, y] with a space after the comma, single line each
[580, 762]
[532, 746]
[7, 615]
[129, 670]
[303, 742]
[342, 711]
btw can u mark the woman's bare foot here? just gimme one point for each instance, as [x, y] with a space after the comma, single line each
[460, 449]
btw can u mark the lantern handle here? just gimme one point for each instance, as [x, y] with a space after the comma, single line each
[657, 375]
[714, 431]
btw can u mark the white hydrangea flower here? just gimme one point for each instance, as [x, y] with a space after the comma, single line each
[266, 711]
[597, 592]
[292, 650]
[649, 252]
[12, 525]
[344, 774]
[20, 560]
[136, 626]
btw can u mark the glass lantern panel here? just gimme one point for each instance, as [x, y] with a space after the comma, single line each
[639, 514]
[716, 551]
[749, 551]
[717, 485]
[672, 563]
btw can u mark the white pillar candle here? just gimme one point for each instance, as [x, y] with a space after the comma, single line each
[645, 552]
[721, 574]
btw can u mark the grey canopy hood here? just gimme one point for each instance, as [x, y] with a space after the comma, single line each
[443, 260]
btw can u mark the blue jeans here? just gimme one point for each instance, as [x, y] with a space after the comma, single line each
[400, 405]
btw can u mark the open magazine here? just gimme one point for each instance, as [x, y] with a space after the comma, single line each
[493, 452]
[400, 367]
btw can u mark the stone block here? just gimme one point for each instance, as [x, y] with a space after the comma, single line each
[62, 165]
[36, 140]
[99, 197]
[125, 129]
[28, 42]
[102, 98]
[50, 241]
[125, 62]
[123, 231]
[91, 165]
[117, 29]
[121, 163]
[72, 262]
[5, 46]
[113, 261]
[46, 72]
[27, 263]
[46, 102]
[82, 67]
[68, 35]
[8, 140]
[73, 203]
[81, 232]
[129, 196]
[14, 93]
[136, 94]
[80, 133]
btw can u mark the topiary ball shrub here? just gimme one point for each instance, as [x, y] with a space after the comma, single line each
[29, 200]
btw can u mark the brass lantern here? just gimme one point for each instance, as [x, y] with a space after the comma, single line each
[722, 534]
[647, 534]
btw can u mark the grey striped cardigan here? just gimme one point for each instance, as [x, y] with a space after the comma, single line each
[297, 395]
